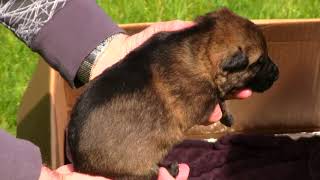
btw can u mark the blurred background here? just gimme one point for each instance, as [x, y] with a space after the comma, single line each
[17, 61]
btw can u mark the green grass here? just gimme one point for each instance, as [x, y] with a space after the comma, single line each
[123, 11]
[17, 62]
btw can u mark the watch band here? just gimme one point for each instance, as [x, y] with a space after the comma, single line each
[84, 72]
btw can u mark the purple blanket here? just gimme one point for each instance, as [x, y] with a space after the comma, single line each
[250, 157]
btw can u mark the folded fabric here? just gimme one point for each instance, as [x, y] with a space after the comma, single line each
[250, 157]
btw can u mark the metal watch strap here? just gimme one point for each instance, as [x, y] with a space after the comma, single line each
[84, 72]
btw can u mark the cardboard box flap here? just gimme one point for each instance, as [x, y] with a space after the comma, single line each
[291, 30]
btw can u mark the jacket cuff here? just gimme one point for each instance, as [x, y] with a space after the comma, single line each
[71, 34]
[19, 159]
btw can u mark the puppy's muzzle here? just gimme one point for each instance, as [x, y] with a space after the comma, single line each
[266, 73]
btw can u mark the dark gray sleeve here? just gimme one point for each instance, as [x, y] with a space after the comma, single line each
[63, 32]
[19, 159]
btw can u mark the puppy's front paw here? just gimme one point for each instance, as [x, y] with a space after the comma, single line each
[227, 120]
[173, 169]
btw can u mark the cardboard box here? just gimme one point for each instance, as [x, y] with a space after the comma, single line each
[291, 105]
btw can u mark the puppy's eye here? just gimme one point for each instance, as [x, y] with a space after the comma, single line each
[237, 62]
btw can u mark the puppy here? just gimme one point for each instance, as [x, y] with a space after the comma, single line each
[130, 116]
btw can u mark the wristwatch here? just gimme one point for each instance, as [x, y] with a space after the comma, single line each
[84, 72]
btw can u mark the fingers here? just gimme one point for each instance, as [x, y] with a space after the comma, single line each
[244, 94]
[67, 172]
[171, 25]
[216, 115]
[183, 173]
[164, 174]
[137, 39]
[66, 169]
[78, 176]
[47, 173]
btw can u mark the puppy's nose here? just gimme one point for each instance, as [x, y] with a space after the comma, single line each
[268, 73]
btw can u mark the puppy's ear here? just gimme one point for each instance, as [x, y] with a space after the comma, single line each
[206, 22]
[237, 62]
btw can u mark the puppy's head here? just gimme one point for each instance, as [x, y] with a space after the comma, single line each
[238, 52]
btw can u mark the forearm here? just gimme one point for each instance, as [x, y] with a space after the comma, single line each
[64, 32]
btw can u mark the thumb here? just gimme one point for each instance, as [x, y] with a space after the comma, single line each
[184, 171]
[164, 174]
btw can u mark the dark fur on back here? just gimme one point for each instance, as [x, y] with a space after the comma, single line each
[131, 115]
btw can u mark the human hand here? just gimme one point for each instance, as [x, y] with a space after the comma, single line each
[122, 44]
[216, 115]
[66, 172]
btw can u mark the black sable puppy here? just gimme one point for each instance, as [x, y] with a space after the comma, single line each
[131, 115]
